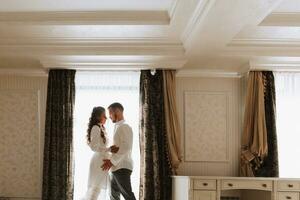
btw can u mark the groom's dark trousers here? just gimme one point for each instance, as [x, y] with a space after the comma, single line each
[121, 184]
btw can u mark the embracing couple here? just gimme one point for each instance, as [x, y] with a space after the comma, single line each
[116, 158]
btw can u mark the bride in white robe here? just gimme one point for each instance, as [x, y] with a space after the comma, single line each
[98, 179]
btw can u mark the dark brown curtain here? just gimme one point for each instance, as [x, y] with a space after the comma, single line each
[156, 180]
[269, 167]
[58, 147]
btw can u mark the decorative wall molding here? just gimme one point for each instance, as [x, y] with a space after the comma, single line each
[206, 126]
[231, 87]
[87, 17]
[282, 19]
[196, 19]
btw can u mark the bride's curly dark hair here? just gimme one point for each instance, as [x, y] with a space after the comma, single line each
[94, 120]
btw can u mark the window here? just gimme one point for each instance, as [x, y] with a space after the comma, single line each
[288, 123]
[102, 89]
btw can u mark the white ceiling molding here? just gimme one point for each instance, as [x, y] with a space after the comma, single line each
[207, 73]
[110, 66]
[259, 47]
[173, 8]
[96, 63]
[195, 20]
[257, 51]
[93, 53]
[114, 62]
[282, 19]
[87, 18]
[275, 64]
[272, 42]
[69, 46]
[87, 41]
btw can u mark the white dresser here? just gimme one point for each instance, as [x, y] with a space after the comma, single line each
[242, 188]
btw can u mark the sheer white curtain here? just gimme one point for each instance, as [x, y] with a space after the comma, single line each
[288, 122]
[101, 88]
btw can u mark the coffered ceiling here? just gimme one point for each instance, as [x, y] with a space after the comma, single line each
[81, 5]
[203, 35]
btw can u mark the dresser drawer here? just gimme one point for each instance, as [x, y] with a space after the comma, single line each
[246, 184]
[202, 184]
[204, 195]
[288, 186]
[288, 196]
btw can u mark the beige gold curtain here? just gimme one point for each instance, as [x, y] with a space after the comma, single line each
[254, 139]
[171, 118]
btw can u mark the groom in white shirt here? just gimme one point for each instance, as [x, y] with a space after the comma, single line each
[121, 163]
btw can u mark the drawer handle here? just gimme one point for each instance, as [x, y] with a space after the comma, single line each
[264, 185]
[230, 184]
[290, 185]
[205, 184]
[288, 197]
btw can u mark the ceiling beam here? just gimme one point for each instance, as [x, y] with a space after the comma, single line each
[173, 8]
[113, 62]
[197, 17]
[275, 63]
[282, 19]
[265, 42]
[223, 22]
[262, 50]
[88, 46]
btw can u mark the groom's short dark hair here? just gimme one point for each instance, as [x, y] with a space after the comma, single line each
[115, 106]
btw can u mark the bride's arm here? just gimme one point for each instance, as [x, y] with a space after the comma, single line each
[97, 143]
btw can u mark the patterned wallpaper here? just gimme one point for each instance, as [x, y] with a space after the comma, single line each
[206, 126]
[22, 108]
[19, 144]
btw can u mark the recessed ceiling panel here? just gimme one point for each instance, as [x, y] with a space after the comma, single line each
[288, 6]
